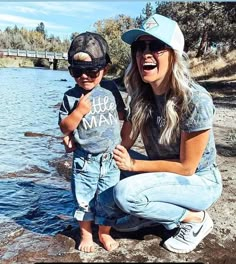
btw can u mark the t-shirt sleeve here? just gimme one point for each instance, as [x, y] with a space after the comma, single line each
[64, 109]
[119, 100]
[111, 85]
[200, 114]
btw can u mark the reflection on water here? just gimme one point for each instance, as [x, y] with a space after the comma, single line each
[28, 103]
[39, 208]
[31, 191]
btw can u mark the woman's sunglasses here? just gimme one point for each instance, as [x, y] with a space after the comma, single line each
[77, 72]
[153, 46]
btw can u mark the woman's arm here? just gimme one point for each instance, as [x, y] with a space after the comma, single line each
[191, 150]
[126, 129]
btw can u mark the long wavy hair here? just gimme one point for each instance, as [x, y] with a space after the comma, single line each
[141, 98]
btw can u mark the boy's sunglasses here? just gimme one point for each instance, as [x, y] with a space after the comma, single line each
[77, 72]
[153, 46]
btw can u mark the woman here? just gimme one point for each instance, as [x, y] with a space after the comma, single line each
[174, 115]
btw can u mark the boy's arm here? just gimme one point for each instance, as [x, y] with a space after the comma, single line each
[71, 122]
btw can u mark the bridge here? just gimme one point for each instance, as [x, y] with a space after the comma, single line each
[53, 57]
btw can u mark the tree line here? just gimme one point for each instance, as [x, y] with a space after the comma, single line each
[204, 25]
[37, 39]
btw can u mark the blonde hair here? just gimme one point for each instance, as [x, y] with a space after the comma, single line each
[142, 102]
[82, 56]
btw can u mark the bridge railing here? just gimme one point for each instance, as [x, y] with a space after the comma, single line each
[34, 54]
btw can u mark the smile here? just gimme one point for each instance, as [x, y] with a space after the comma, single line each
[149, 66]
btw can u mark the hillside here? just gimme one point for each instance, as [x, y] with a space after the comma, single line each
[215, 68]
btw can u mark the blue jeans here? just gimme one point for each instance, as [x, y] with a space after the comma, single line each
[91, 176]
[164, 197]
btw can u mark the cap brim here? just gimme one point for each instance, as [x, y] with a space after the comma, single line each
[88, 64]
[133, 34]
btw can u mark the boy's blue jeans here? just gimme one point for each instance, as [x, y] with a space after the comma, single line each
[163, 197]
[91, 176]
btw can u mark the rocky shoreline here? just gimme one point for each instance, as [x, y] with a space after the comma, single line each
[19, 245]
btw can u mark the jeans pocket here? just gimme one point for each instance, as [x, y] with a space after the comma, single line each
[218, 179]
[212, 175]
[217, 175]
[114, 165]
[80, 165]
[216, 183]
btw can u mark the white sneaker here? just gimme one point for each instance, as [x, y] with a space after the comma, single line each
[189, 235]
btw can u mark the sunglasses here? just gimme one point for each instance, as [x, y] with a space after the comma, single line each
[78, 72]
[153, 46]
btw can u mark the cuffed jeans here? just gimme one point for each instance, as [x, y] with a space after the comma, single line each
[92, 175]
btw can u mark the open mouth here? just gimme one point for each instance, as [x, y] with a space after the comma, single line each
[149, 66]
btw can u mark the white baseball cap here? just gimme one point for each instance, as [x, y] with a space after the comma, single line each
[160, 27]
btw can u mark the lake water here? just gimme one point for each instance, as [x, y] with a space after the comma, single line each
[28, 103]
[32, 193]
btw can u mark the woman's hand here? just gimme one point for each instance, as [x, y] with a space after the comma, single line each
[123, 159]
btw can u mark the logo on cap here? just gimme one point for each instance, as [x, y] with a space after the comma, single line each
[151, 23]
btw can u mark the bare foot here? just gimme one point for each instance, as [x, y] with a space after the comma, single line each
[86, 244]
[108, 242]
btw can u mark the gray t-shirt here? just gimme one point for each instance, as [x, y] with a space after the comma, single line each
[199, 117]
[99, 130]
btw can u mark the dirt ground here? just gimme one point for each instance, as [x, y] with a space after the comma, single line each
[218, 247]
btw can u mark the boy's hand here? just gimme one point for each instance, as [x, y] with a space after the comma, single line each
[84, 105]
[69, 143]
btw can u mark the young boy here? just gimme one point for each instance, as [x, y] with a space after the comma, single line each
[92, 114]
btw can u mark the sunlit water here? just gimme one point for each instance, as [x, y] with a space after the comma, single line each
[31, 191]
[28, 103]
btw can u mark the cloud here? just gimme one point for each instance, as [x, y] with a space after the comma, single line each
[62, 17]
[71, 8]
[28, 22]
[28, 10]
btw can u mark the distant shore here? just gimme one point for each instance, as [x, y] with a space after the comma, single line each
[18, 62]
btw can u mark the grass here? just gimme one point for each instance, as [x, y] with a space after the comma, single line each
[232, 136]
[215, 68]
[16, 62]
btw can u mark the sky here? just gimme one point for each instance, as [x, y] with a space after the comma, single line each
[62, 18]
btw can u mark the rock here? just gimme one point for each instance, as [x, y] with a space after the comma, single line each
[20, 245]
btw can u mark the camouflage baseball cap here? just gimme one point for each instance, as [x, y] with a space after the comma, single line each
[94, 45]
